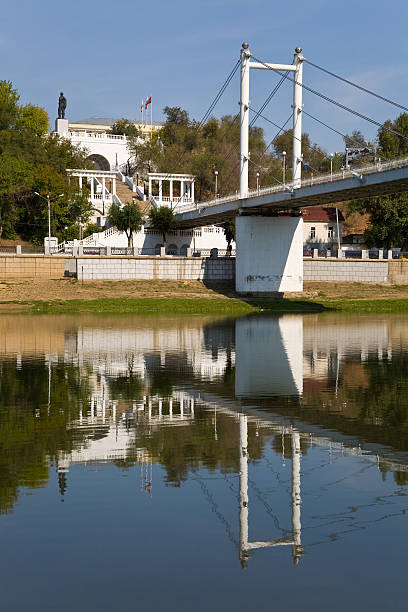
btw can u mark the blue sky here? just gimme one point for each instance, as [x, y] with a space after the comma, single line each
[107, 56]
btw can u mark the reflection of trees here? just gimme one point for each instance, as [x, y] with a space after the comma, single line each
[184, 449]
[384, 399]
[29, 430]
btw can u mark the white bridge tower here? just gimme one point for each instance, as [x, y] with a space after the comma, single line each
[297, 69]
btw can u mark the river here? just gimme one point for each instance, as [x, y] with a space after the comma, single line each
[196, 463]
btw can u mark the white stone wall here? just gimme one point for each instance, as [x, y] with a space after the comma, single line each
[370, 271]
[155, 268]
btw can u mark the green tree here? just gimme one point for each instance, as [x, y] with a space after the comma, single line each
[229, 231]
[356, 139]
[128, 219]
[124, 127]
[390, 143]
[162, 220]
[34, 118]
[388, 220]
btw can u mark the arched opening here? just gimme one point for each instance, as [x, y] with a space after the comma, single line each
[157, 249]
[183, 250]
[172, 249]
[99, 161]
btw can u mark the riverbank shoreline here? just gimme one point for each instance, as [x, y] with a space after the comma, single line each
[192, 297]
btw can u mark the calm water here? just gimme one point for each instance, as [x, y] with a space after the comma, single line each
[203, 464]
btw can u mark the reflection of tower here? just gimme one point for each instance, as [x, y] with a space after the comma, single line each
[297, 550]
[243, 490]
[244, 544]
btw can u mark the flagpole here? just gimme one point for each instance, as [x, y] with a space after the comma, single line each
[151, 119]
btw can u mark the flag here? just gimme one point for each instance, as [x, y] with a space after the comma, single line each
[148, 101]
[141, 108]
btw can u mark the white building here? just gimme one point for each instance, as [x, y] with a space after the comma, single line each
[108, 183]
[322, 227]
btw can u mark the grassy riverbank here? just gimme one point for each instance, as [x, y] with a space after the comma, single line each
[179, 297]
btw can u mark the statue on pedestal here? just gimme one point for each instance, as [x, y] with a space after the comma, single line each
[62, 105]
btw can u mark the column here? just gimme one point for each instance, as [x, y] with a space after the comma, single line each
[103, 188]
[192, 191]
[114, 185]
[171, 409]
[80, 182]
[92, 188]
[269, 254]
[171, 190]
[181, 190]
[150, 186]
[243, 490]
[160, 189]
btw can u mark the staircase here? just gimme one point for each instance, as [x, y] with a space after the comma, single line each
[126, 195]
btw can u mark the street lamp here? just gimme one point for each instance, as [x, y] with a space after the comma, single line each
[257, 182]
[284, 168]
[216, 182]
[331, 166]
[48, 200]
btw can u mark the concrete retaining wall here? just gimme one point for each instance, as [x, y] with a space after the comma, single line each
[154, 268]
[370, 271]
[31, 266]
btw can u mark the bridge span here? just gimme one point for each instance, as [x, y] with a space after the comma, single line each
[379, 179]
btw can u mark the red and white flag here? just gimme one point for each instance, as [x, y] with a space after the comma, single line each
[148, 101]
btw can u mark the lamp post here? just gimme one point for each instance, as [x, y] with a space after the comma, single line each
[284, 168]
[216, 182]
[48, 200]
[257, 182]
[331, 166]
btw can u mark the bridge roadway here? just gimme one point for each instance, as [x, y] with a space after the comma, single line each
[381, 179]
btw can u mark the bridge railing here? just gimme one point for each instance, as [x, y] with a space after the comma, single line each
[380, 166]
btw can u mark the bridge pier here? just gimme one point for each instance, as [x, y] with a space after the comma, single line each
[269, 254]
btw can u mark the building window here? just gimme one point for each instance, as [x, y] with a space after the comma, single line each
[313, 232]
[330, 232]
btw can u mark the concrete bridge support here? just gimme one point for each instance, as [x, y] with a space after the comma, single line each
[269, 254]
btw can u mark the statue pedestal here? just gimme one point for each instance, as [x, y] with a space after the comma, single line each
[61, 127]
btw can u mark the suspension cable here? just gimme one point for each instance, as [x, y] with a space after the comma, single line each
[372, 93]
[219, 94]
[333, 129]
[327, 99]
[268, 99]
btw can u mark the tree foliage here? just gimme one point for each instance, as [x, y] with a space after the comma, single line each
[162, 220]
[127, 218]
[388, 214]
[31, 160]
[124, 127]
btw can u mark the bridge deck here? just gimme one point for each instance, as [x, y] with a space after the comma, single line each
[374, 181]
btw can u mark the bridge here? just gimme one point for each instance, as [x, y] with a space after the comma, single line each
[269, 231]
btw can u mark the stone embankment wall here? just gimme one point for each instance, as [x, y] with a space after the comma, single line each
[192, 268]
[153, 268]
[31, 266]
[346, 270]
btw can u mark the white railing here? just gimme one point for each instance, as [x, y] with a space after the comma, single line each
[313, 180]
[99, 197]
[153, 201]
[96, 136]
[176, 200]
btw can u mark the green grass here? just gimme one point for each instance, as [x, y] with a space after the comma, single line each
[173, 306]
[208, 306]
[394, 306]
